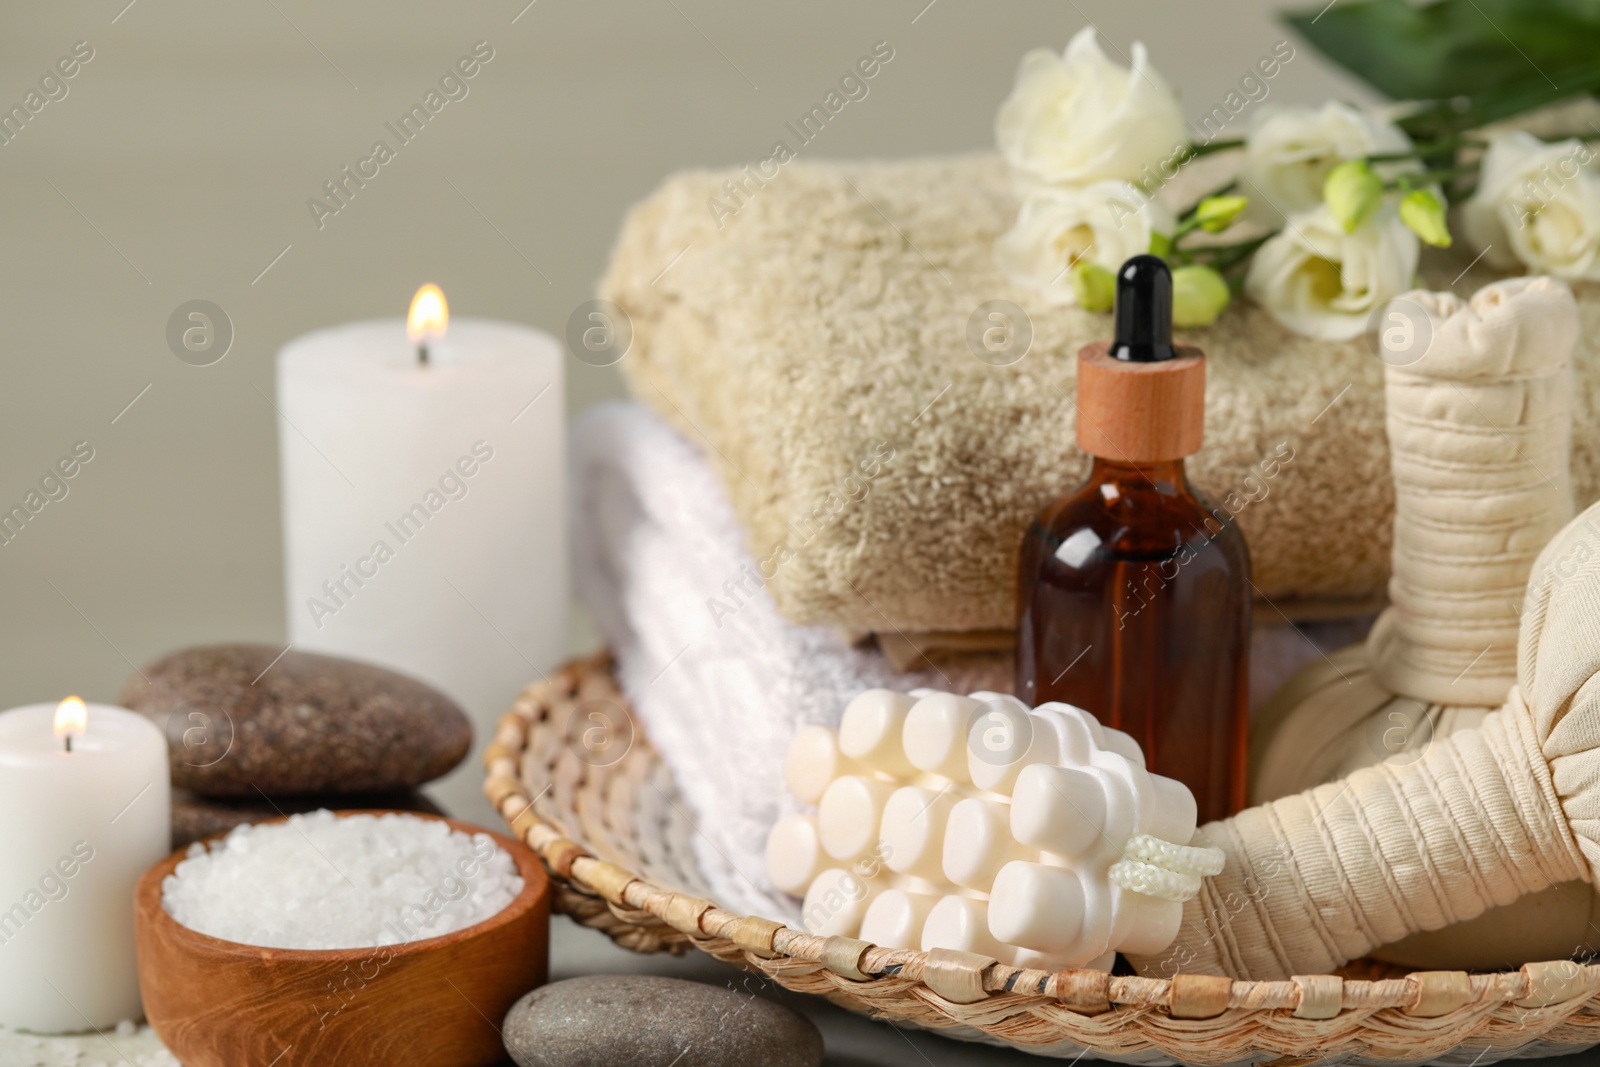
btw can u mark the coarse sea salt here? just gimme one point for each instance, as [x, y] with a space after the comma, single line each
[322, 881]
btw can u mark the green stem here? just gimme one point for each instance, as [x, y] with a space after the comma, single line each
[1442, 174]
[1225, 256]
[1447, 146]
[1428, 150]
[1580, 135]
[1188, 221]
[1221, 190]
[1185, 228]
[1215, 146]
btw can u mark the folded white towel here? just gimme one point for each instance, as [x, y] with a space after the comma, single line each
[719, 681]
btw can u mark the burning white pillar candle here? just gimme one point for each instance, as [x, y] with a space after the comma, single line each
[424, 500]
[89, 810]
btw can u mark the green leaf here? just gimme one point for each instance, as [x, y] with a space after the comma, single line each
[1514, 52]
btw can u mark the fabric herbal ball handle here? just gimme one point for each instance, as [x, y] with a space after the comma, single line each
[1314, 880]
[1479, 421]
[1479, 414]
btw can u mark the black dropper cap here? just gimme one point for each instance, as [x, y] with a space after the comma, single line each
[1144, 311]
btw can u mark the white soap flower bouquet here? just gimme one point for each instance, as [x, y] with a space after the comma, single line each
[1324, 217]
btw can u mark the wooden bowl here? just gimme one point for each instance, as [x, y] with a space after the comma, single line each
[438, 1001]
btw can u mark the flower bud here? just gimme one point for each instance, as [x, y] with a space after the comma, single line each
[1423, 215]
[1352, 191]
[1198, 295]
[1096, 287]
[1216, 213]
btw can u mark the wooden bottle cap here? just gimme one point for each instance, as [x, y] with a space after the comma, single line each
[1141, 412]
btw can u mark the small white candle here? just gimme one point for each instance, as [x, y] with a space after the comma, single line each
[424, 500]
[81, 826]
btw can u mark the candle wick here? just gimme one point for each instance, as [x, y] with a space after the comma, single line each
[422, 353]
[69, 742]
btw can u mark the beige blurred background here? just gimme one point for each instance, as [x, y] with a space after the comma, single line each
[179, 165]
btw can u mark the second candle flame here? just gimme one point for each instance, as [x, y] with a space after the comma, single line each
[427, 320]
[429, 316]
[72, 719]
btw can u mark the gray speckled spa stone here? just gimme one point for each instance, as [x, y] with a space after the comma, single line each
[308, 725]
[612, 1020]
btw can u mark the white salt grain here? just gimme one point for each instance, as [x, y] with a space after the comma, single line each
[319, 881]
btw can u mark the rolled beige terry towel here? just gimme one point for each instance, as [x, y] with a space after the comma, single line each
[829, 314]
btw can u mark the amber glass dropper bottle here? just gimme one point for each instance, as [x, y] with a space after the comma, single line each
[1133, 593]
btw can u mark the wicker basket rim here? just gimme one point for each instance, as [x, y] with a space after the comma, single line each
[1543, 994]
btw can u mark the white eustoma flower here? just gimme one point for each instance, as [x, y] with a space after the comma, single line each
[1322, 282]
[1059, 227]
[1290, 150]
[1080, 117]
[1538, 206]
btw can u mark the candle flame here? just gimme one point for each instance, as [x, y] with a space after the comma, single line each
[429, 314]
[72, 718]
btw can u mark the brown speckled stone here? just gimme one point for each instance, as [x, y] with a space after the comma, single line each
[194, 817]
[611, 1020]
[308, 725]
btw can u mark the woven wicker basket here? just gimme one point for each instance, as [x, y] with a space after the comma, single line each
[618, 846]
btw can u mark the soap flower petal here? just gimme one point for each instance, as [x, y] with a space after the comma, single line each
[1537, 205]
[1080, 117]
[1290, 151]
[1319, 281]
[1059, 228]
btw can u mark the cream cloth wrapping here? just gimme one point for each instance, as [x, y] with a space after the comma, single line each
[1480, 433]
[1479, 398]
[1484, 817]
[1480, 438]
